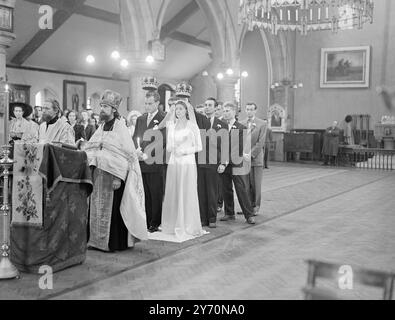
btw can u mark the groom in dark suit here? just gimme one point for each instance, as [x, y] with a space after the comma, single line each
[151, 164]
[209, 159]
[237, 169]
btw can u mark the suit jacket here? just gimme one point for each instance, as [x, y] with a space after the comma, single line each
[236, 149]
[79, 132]
[89, 131]
[139, 131]
[203, 124]
[213, 152]
[258, 138]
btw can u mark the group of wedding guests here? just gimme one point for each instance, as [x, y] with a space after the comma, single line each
[211, 155]
[162, 172]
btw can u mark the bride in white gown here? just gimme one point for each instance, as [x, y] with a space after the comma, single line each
[180, 211]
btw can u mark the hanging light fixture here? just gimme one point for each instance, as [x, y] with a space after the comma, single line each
[305, 15]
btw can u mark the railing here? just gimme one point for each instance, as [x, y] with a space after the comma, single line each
[367, 158]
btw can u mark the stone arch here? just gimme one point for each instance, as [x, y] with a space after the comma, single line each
[138, 27]
[223, 44]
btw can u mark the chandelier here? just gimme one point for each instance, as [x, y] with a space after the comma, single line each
[305, 15]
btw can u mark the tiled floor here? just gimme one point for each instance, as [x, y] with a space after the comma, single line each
[344, 216]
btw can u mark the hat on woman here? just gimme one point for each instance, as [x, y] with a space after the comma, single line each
[27, 109]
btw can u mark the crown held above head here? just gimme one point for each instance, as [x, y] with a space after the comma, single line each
[149, 83]
[183, 90]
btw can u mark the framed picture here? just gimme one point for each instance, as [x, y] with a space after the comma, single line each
[74, 95]
[345, 67]
[277, 117]
[19, 93]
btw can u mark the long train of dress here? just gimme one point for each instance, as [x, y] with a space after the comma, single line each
[180, 213]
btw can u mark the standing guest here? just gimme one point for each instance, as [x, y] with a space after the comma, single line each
[152, 172]
[131, 121]
[117, 200]
[330, 148]
[348, 131]
[38, 112]
[88, 128]
[219, 110]
[90, 112]
[97, 118]
[92, 121]
[235, 171]
[268, 141]
[21, 128]
[54, 128]
[209, 180]
[257, 129]
[79, 132]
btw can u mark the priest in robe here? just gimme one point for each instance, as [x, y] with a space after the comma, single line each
[55, 129]
[117, 209]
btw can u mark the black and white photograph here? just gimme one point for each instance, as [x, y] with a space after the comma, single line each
[197, 158]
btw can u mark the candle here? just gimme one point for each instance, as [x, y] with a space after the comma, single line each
[289, 15]
[138, 142]
[297, 15]
[327, 13]
[6, 116]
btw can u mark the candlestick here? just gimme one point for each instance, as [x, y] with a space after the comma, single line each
[5, 100]
[7, 269]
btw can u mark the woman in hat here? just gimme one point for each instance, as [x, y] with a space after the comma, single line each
[20, 127]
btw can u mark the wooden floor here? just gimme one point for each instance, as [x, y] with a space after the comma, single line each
[343, 216]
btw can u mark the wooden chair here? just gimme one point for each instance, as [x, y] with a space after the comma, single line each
[319, 269]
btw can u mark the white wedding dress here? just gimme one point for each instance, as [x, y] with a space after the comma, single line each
[180, 211]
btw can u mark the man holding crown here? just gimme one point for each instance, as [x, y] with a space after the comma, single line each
[117, 210]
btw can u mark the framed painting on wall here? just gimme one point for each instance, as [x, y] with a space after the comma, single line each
[19, 93]
[347, 67]
[74, 95]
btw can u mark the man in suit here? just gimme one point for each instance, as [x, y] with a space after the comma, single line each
[208, 160]
[257, 130]
[88, 128]
[268, 141]
[236, 170]
[151, 164]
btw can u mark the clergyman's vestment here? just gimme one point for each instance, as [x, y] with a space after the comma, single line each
[116, 216]
[57, 130]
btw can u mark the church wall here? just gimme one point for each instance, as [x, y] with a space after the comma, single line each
[40, 80]
[253, 60]
[316, 108]
[203, 87]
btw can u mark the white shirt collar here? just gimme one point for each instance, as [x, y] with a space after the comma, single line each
[151, 115]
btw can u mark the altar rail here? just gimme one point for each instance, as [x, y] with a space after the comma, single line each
[367, 158]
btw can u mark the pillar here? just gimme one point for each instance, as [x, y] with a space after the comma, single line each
[136, 93]
[226, 89]
[6, 39]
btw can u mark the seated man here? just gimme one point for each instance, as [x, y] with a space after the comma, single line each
[54, 128]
